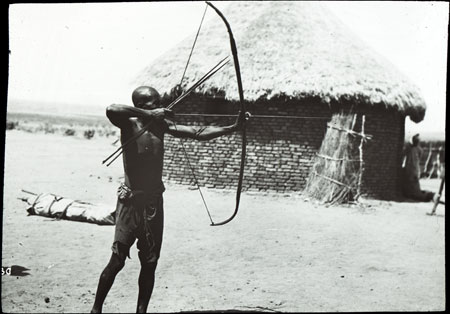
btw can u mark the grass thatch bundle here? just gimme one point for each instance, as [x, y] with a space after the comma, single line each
[336, 174]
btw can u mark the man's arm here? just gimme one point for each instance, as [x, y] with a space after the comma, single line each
[119, 114]
[201, 133]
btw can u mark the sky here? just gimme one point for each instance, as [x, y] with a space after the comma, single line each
[86, 55]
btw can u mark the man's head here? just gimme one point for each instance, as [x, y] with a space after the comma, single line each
[146, 97]
[415, 140]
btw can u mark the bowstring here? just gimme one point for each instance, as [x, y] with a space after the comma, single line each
[182, 139]
[193, 45]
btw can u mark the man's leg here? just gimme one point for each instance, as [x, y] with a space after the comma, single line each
[149, 246]
[106, 281]
[146, 283]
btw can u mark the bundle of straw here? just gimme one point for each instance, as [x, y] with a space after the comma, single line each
[335, 174]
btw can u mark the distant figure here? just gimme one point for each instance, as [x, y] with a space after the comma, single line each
[139, 212]
[411, 172]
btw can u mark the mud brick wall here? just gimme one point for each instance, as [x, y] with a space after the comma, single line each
[280, 151]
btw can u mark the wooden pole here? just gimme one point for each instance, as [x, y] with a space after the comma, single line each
[361, 159]
[438, 198]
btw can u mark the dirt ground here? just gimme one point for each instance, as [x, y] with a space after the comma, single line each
[281, 252]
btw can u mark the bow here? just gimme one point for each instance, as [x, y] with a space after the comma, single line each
[242, 114]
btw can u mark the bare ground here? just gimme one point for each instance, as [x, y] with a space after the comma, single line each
[281, 252]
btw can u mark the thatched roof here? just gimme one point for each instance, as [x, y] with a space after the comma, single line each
[290, 49]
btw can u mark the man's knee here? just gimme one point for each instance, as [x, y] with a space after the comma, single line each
[116, 263]
[148, 259]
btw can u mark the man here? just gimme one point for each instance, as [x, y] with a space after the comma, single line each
[411, 172]
[139, 212]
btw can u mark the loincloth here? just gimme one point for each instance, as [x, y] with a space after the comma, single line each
[139, 217]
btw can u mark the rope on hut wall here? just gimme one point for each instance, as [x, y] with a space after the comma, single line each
[333, 180]
[337, 159]
[351, 132]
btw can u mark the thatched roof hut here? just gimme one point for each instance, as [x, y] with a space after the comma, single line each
[288, 49]
[297, 61]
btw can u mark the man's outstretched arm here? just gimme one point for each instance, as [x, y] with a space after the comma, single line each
[201, 133]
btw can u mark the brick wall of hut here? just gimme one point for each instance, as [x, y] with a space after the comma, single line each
[280, 151]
